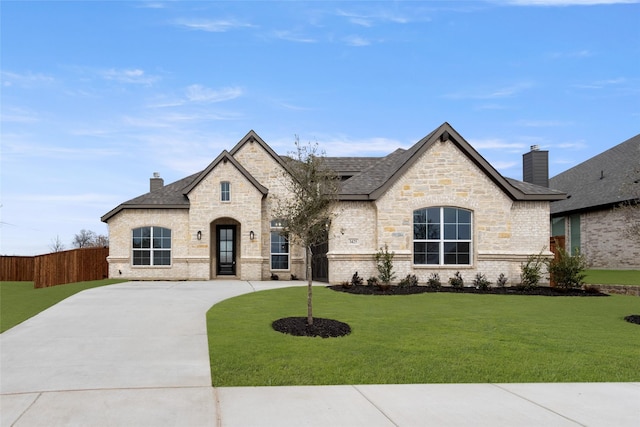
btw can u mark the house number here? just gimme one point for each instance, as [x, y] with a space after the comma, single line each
[353, 241]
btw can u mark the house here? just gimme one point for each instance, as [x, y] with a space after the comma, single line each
[588, 218]
[439, 206]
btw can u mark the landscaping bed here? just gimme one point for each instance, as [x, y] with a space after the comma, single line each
[509, 290]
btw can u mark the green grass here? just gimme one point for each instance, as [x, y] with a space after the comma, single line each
[426, 338]
[613, 277]
[19, 300]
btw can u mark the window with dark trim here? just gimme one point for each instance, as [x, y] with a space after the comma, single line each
[279, 247]
[225, 191]
[151, 246]
[442, 236]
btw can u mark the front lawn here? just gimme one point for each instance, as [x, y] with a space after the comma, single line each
[20, 301]
[425, 338]
[612, 277]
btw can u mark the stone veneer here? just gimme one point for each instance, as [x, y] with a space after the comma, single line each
[504, 232]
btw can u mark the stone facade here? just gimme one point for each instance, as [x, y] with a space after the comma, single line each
[505, 232]
[505, 229]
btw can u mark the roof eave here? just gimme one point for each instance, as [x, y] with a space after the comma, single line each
[106, 217]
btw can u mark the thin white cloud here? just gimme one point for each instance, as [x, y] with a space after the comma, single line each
[25, 80]
[503, 92]
[18, 115]
[344, 146]
[293, 37]
[584, 53]
[578, 145]
[199, 93]
[357, 41]
[21, 148]
[135, 76]
[212, 26]
[370, 19]
[601, 84]
[497, 144]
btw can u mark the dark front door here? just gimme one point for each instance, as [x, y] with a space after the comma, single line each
[226, 249]
[320, 262]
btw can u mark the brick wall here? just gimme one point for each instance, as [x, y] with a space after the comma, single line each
[603, 241]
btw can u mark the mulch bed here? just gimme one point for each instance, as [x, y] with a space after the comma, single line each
[509, 290]
[634, 318]
[325, 328]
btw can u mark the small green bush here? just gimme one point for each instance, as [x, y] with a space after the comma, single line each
[502, 280]
[481, 282]
[434, 281]
[568, 271]
[384, 261]
[410, 280]
[372, 281]
[531, 271]
[456, 281]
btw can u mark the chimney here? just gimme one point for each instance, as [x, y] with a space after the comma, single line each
[156, 182]
[535, 166]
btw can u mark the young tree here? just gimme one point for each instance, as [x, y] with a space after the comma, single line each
[308, 211]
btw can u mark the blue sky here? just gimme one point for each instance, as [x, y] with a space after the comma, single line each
[96, 96]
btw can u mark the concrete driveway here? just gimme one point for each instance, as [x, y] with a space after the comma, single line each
[136, 354]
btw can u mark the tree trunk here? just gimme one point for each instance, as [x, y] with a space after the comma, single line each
[309, 287]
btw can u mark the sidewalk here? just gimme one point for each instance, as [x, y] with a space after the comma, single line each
[136, 354]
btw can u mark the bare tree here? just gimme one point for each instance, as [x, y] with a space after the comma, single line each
[56, 245]
[84, 239]
[307, 212]
[101, 241]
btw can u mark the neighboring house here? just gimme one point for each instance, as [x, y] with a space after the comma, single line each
[588, 217]
[439, 206]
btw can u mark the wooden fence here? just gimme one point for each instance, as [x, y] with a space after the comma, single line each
[16, 268]
[77, 265]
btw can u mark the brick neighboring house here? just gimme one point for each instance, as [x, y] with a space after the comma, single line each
[440, 206]
[587, 217]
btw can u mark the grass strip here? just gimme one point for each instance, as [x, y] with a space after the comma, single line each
[19, 300]
[425, 338]
[612, 277]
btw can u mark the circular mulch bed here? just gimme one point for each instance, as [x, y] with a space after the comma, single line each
[634, 318]
[511, 290]
[325, 328]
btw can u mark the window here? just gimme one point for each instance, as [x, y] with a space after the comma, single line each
[279, 247]
[442, 236]
[151, 246]
[225, 191]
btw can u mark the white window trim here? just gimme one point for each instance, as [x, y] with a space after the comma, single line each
[271, 254]
[151, 249]
[441, 241]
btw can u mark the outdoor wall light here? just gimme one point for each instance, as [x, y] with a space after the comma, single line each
[199, 235]
[252, 235]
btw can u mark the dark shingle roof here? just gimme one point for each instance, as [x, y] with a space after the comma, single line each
[369, 178]
[601, 181]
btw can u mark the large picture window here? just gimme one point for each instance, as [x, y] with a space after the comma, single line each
[151, 246]
[442, 236]
[279, 247]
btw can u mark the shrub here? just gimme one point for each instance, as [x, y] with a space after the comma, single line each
[456, 281]
[481, 282]
[410, 280]
[384, 261]
[372, 281]
[531, 271]
[502, 280]
[568, 271]
[356, 280]
[434, 281]
[346, 284]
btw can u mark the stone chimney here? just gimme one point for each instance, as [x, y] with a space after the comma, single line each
[535, 167]
[156, 182]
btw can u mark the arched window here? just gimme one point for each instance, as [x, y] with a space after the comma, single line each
[151, 246]
[279, 247]
[442, 236]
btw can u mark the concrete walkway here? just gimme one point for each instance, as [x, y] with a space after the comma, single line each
[136, 354]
